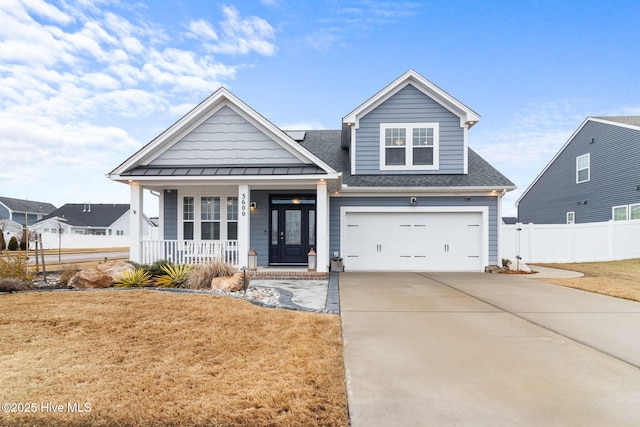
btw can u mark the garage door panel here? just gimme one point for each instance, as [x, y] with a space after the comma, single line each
[413, 241]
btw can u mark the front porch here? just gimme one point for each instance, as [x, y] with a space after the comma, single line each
[200, 224]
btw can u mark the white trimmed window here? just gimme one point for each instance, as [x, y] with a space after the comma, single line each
[409, 146]
[571, 217]
[188, 216]
[634, 211]
[620, 213]
[232, 218]
[210, 218]
[583, 168]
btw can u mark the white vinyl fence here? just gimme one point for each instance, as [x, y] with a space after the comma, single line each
[80, 241]
[598, 241]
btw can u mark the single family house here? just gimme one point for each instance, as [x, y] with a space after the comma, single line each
[395, 188]
[109, 219]
[24, 211]
[595, 176]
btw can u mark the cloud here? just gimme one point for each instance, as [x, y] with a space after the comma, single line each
[307, 125]
[356, 18]
[240, 36]
[79, 78]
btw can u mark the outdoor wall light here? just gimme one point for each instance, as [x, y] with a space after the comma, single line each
[413, 201]
[253, 206]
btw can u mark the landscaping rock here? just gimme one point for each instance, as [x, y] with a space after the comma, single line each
[115, 269]
[230, 283]
[90, 278]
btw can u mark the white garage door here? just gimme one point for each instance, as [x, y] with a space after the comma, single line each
[413, 241]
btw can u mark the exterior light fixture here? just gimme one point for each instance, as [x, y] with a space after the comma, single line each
[253, 260]
[252, 206]
[413, 201]
[312, 260]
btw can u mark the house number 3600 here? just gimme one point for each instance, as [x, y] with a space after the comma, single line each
[243, 205]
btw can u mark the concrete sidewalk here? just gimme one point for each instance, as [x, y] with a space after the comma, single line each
[480, 349]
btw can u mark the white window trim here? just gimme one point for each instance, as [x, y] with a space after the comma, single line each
[613, 213]
[573, 221]
[629, 213]
[409, 147]
[197, 229]
[588, 168]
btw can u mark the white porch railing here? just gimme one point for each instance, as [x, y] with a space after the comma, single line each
[190, 251]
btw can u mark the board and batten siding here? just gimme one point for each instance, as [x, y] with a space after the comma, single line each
[224, 139]
[409, 105]
[170, 214]
[485, 201]
[259, 226]
[615, 175]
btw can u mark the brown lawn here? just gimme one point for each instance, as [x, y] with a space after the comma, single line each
[615, 278]
[149, 358]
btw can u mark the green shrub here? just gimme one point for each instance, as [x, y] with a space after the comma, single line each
[13, 244]
[175, 276]
[200, 275]
[134, 279]
[505, 262]
[14, 267]
[3, 243]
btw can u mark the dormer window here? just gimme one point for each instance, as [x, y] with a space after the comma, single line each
[409, 146]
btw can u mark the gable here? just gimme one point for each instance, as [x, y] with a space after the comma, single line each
[612, 150]
[226, 138]
[410, 105]
[220, 138]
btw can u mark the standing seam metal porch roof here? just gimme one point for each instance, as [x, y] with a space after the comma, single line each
[208, 171]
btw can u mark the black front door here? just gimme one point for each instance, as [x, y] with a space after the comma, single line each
[293, 229]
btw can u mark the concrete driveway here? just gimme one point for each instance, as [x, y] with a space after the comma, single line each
[475, 349]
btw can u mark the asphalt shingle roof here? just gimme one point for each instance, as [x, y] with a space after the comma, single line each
[19, 205]
[326, 145]
[89, 215]
[627, 120]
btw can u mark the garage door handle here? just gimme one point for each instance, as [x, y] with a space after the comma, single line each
[446, 248]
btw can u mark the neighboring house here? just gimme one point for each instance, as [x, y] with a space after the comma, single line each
[90, 219]
[17, 210]
[10, 228]
[397, 188]
[594, 177]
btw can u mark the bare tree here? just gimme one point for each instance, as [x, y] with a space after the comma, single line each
[60, 228]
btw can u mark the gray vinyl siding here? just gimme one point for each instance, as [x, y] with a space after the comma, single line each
[4, 212]
[491, 202]
[409, 105]
[615, 175]
[170, 212]
[224, 139]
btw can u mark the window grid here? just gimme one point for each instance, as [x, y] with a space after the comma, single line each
[620, 213]
[210, 218]
[409, 146]
[583, 168]
[232, 218]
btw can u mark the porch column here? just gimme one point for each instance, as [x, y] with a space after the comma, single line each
[322, 227]
[243, 226]
[135, 218]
